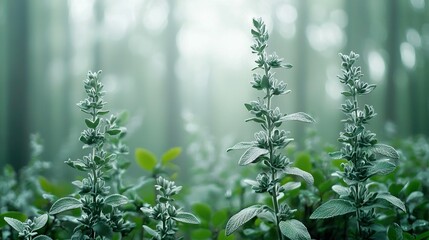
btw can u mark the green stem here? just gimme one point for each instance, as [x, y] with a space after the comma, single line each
[271, 152]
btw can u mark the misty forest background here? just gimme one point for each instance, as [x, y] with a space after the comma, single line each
[181, 71]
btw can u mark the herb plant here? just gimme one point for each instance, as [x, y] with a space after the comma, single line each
[268, 145]
[362, 152]
[100, 215]
[28, 229]
[165, 213]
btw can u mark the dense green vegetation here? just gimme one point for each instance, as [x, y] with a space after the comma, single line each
[383, 193]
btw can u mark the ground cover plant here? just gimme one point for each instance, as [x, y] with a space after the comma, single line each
[268, 145]
[378, 192]
[360, 149]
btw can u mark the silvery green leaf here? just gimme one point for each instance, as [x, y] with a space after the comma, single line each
[385, 150]
[241, 145]
[332, 208]
[15, 224]
[251, 154]
[341, 190]
[299, 116]
[294, 229]
[40, 222]
[116, 200]
[381, 167]
[64, 204]
[391, 199]
[301, 173]
[241, 218]
[185, 217]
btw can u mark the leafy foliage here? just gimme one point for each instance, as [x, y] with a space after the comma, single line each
[165, 213]
[100, 213]
[360, 149]
[268, 144]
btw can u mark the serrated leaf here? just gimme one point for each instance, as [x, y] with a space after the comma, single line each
[299, 116]
[116, 200]
[16, 215]
[392, 199]
[15, 224]
[385, 150]
[332, 208]
[40, 222]
[301, 173]
[381, 167]
[241, 218]
[341, 190]
[394, 232]
[250, 155]
[185, 217]
[145, 159]
[64, 204]
[151, 232]
[170, 154]
[289, 186]
[42, 237]
[294, 229]
[241, 145]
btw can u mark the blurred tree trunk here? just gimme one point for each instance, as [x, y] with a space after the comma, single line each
[174, 118]
[66, 88]
[17, 77]
[301, 68]
[393, 50]
[99, 18]
[3, 84]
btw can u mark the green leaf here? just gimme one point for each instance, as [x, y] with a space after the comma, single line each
[116, 200]
[385, 150]
[336, 155]
[250, 155]
[113, 131]
[16, 215]
[419, 223]
[203, 211]
[414, 195]
[332, 208]
[241, 145]
[42, 237]
[15, 223]
[92, 124]
[303, 161]
[151, 232]
[222, 236]
[40, 222]
[185, 217]
[170, 155]
[201, 234]
[294, 229]
[392, 199]
[103, 229]
[219, 218]
[64, 204]
[289, 186]
[298, 172]
[299, 116]
[241, 218]
[424, 235]
[381, 167]
[394, 232]
[145, 159]
[341, 190]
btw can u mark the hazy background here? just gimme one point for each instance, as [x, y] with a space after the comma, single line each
[181, 69]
